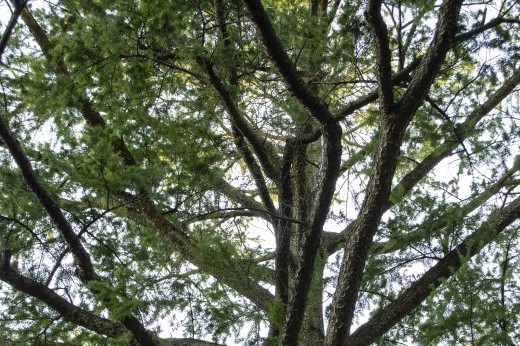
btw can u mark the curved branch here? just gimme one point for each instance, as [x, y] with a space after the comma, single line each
[86, 271]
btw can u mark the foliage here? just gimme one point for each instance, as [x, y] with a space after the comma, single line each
[260, 172]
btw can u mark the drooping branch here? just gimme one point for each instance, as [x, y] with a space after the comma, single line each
[86, 271]
[69, 311]
[171, 231]
[434, 277]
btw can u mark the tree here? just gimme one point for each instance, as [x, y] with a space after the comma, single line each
[309, 172]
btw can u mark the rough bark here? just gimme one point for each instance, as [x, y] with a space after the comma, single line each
[433, 278]
[330, 165]
[394, 122]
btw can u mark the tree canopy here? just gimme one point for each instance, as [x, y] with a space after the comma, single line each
[260, 172]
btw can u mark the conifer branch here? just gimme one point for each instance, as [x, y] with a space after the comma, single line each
[383, 55]
[174, 233]
[274, 47]
[414, 295]
[454, 215]
[267, 158]
[67, 310]
[393, 127]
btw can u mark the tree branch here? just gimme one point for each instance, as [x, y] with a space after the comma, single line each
[383, 55]
[435, 276]
[283, 238]
[443, 40]
[331, 158]
[69, 311]
[454, 215]
[188, 342]
[266, 157]
[404, 74]
[9, 28]
[86, 271]
[393, 127]
[484, 27]
[172, 232]
[331, 162]
[463, 130]
[274, 47]
[255, 171]
[442, 151]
